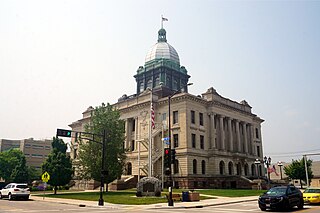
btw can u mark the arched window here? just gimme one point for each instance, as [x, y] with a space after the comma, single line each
[176, 167]
[129, 169]
[175, 84]
[246, 169]
[253, 170]
[221, 167]
[238, 169]
[194, 166]
[157, 82]
[149, 84]
[260, 171]
[141, 87]
[203, 167]
[132, 145]
[230, 168]
[168, 82]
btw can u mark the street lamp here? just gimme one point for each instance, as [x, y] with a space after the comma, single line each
[267, 162]
[257, 163]
[170, 200]
[280, 166]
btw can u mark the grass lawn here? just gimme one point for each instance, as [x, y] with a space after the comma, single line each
[116, 197]
[129, 196]
[231, 192]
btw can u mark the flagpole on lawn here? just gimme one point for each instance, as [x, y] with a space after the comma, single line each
[150, 134]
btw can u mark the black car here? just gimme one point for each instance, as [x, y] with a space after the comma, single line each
[281, 197]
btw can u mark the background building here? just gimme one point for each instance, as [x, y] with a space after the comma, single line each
[217, 140]
[35, 151]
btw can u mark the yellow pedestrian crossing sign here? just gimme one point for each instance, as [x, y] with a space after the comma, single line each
[45, 177]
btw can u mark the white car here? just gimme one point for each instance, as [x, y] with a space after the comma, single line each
[15, 190]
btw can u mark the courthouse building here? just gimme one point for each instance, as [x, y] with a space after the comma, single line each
[217, 140]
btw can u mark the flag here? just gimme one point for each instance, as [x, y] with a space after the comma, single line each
[273, 169]
[152, 116]
[164, 19]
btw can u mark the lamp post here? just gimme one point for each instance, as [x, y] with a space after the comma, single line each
[170, 200]
[280, 166]
[267, 162]
[103, 171]
[257, 163]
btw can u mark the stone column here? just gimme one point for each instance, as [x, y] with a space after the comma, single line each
[238, 136]
[222, 133]
[253, 150]
[230, 134]
[126, 133]
[245, 134]
[213, 132]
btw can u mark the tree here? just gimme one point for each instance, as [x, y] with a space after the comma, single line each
[104, 117]
[296, 170]
[58, 165]
[13, 166]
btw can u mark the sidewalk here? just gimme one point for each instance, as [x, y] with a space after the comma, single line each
[196, 204]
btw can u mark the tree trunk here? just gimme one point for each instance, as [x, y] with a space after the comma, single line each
[55, 190]
[301, 183]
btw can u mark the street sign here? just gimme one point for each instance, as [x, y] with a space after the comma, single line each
[45, 177]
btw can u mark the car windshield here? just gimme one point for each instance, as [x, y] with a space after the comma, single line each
[312, 191]
[277, 191]
[22, 186]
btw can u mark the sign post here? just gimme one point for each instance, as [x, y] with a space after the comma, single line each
[45, 178]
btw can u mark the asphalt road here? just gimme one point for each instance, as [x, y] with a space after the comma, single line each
[31, 206]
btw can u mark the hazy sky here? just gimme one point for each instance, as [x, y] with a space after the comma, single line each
[59, 57]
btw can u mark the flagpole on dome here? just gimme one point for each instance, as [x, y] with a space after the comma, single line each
[162, 20]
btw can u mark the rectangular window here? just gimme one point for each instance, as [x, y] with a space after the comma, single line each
[37, 156]
[193, 140]
[164, 117]
[193, 119]
[201, 119]
[258, 151]
[37, 147]
[48, 147]
[175, 117]
[176, 140]
[27, 145]
[257, 133]
[201, 142]
[133, 125]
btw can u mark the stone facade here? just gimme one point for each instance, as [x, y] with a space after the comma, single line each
[216, 140]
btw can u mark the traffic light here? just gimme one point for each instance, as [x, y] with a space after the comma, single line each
[64, 133]
[167, 161]
[173, 156]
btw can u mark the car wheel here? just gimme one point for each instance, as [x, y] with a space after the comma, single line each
[0, 195]
[263, 209]
[10, 196]
[26, 198]
[300, 205]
